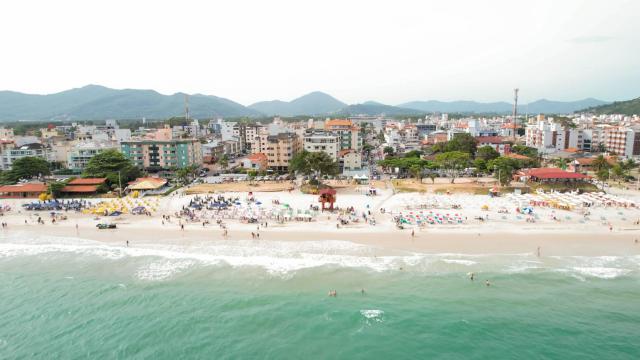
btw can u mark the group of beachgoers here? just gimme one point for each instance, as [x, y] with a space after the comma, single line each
[57, 205]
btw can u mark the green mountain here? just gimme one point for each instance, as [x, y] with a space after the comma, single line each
[629, 107]
[315, 103]
[541, 106]
[94, 102]
[376, 108]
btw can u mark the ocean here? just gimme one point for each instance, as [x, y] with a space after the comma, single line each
[66, 298]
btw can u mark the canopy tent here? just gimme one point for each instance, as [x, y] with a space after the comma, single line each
[147, 185]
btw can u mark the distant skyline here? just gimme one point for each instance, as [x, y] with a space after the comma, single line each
[391, 52]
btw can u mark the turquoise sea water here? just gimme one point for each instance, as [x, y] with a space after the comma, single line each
[70, 299]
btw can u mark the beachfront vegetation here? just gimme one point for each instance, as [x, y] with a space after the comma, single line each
[525, 151]
[503, 168]
[487, 153]
[112, 165]
[453, 162]
[24, 169]
[460, 142]
[317, 164]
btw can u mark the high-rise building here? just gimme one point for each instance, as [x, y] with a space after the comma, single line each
[163, 154]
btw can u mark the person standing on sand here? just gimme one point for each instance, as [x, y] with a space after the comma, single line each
[413, 233]
[127, 243]
[538, 251]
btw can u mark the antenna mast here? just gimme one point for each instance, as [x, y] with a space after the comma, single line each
[515, 112]
[186, 107]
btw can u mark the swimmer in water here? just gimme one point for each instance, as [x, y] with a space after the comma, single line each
[487, 283]
[472, 276]
[361, 291]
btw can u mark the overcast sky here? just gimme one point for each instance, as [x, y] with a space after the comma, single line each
[388, 51]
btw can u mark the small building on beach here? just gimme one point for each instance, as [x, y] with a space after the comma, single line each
[30, 190]
[551, 175]
[83, 186]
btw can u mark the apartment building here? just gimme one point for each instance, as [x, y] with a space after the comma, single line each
[79, 155]
[349, 133]
[280, 149]
[402, 137]
[322, 141]
[10, 155]
[623, 141]
[163, 154]
[249, 136]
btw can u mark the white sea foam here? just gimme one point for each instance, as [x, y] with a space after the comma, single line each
[162, 270]
[602, 272]
[460, 261]
[283, 258]
[374, 314]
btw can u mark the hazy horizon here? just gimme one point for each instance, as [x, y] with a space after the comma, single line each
[356, 52]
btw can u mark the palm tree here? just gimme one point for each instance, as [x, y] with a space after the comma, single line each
[600, 163]
[561, 163]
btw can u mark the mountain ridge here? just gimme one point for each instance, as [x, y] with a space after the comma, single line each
[313, 103]
[97, 102]
[626, 107]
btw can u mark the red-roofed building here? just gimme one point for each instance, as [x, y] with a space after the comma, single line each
[256, 161]
[517, 156]
[496, 142]
[31, 190]
[80, 189]
[551, 175]
[87, 181]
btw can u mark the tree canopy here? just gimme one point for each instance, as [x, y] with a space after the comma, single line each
[504, 167]
[313, 163]
[453, 162]
[25, 168]
[487, 153]
[108, 163]
[525, 150]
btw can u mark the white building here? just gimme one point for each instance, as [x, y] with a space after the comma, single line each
[27, 150]
[350, 160]
[78, 157]
[317, 141]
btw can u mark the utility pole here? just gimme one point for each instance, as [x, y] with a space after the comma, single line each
[186, 107]
[515, 112]
[119, 184]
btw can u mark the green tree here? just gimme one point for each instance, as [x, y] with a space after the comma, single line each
[413, 154]
[600, 163]
[561, 163]
[462, 142]
[320, 163]
[480, 165]
[55, 188]
[503, 169]
[487, 153]
[525, 150]
[603, 174]
[453, 162]
[416, 171]
[618, 172]
[186, 173]
[113, 165]
[299, 163]
[629, 164]
[26, 168]
[224, 162]
[388, 150]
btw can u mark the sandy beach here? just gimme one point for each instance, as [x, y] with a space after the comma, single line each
[607, 230]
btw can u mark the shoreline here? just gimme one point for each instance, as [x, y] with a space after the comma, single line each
[434, 241]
